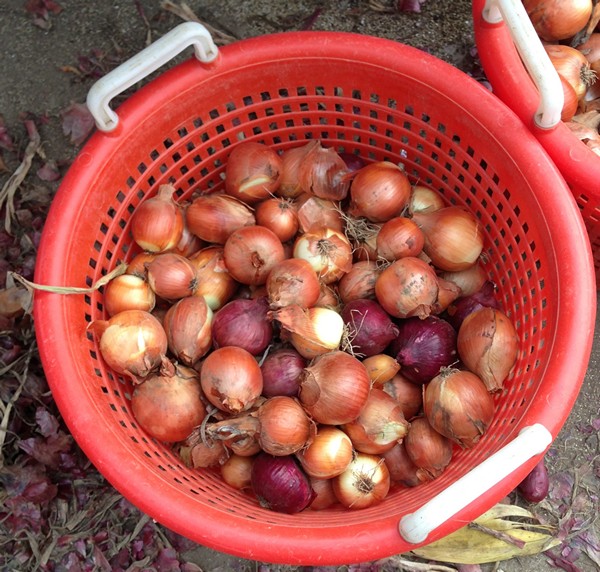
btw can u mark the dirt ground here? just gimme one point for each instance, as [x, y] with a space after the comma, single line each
[50, 57]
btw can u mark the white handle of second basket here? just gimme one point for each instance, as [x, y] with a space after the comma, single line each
[534, 57]
[531, 441]
[143, 64]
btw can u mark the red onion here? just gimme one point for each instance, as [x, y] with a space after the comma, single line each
[353, 162]
[534, 487]
[281, 371]
[280, 484]
[423, 347]
[485, 297]
[243, 323]
[370, 328]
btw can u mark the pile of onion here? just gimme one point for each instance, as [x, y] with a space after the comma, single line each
[570, 33]
[262, 343]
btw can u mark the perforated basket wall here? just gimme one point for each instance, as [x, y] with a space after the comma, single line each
[370, 96]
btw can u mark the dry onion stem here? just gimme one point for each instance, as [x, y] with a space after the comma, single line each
[31, 286]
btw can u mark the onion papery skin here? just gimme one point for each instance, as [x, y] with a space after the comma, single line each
[370, 329]
[243, 323]
[334, 388]
[169, 407]
[328, 454]
[453, 237]
[284, 426]
[132, 343]
[423, 347]
[282, 370]
[231, 379]
[485, 297]
[407, 287]
[253, 172]
[379, 192]
[315, 213]
[280, 484]
[379, 426]
[293, 281]
[251, 252]
[359, 282]
[214, 217]
[187, 324]
[469, 280]
[157, 224]
[558, 19]
[488, 345]
[365, 483]
[322, 173]
[458, 405]
[429, 450]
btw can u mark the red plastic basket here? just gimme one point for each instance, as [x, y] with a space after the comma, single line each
[512, 84]
[360, 94]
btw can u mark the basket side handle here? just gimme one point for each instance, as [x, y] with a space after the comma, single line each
[530, 442]
[143, 64]
[534, 56]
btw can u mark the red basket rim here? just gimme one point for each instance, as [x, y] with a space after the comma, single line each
[293, 544]
[512, 84]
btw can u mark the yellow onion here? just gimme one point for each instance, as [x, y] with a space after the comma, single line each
[379, 425]
[215, 284]
[168, 405]
[407, 394]
[252, 172]
[334, 388]
[453, 237]
[204, 454]
[429, 450]
[322, 173]
[284, 426]
[469, 280]
[214, 217]
[402, 470]
[458, 405]
[315, 213]
[157, 223]
[555, 20]
[133, 342]
[399, 237]
[188, 327]
[324, 495]
[365, 483]
[293, 281]
[423, 200]
[488, 345]
[572, 65]
[128, 292]
[359, 282]
[236, 472]
[312, 331]
[231, 379]
[172, 276]
[379, 192]
[381, 368]
[279, 215]
[407, 287]
[328, 454]
[328, 252]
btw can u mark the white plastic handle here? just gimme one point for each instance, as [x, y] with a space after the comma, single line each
[534, 57]
[144, 63]
[531, 441]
